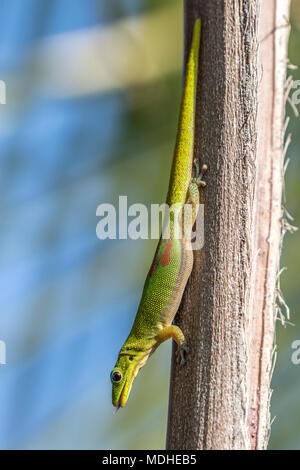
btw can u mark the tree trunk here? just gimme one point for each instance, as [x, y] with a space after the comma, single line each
[220, 398]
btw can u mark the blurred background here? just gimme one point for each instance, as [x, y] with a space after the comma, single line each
[92, 99]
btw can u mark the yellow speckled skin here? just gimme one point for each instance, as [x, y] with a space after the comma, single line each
[172, 262]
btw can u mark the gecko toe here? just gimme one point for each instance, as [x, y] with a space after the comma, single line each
[198, 178]
[181, 353]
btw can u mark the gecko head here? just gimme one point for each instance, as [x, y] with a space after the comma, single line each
[122, 377]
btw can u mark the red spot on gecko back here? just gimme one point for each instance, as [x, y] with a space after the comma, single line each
[166, 256]
[155, 262]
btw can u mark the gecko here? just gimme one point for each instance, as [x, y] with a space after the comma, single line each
[173, 259]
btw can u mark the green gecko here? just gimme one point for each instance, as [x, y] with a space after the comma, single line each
[173, 260]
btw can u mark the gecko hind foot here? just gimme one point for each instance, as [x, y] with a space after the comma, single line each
[181, 353]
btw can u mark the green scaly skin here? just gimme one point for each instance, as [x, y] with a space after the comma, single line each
[173, 260]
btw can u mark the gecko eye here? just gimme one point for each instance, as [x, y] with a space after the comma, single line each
[115, 377]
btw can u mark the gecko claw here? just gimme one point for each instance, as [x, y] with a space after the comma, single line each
[181, 353]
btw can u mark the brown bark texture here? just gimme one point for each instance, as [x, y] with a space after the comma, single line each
[221, 398]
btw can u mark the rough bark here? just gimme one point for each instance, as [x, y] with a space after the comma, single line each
[220, 399]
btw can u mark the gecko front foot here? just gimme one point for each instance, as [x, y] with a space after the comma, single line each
[181, 353]
[199, 174]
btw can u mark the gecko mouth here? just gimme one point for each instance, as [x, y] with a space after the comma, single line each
[127, 384]
[119, 405]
